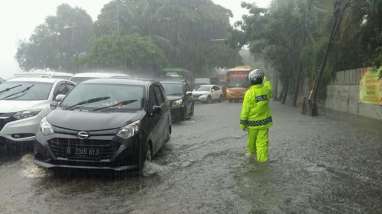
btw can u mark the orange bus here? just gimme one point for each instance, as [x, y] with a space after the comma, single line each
[237, 83]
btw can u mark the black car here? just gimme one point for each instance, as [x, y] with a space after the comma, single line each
[180, 98]
[113, 124]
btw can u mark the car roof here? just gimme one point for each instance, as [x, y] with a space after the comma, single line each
[207, 85]
[98, 74]
[35, 79]
[41, 73]
[119, 81]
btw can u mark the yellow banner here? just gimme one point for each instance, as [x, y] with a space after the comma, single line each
[371, 86]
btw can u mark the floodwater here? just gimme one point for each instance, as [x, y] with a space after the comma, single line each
[329, 164]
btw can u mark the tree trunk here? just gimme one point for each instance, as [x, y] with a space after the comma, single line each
[276, 85]
[298, 84]
[285, 92]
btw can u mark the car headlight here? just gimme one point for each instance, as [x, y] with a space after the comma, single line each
[178, 103]
[129, 130]
[45, 127]
[25, 114]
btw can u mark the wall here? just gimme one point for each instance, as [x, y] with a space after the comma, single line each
[343, 95]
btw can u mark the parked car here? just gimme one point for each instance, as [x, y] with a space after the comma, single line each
[24, 102]
[109, 124]
[179, 96]
[44, 74]
[208, 94]
[80, 77]
[201, 81]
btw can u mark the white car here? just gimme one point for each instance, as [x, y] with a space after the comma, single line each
[80, 77]
[24, 102]
[208, 94]
[44, 74]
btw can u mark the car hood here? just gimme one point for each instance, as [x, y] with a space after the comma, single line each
[10, 106]
[92, 121]
[200, 92]
[174, 98]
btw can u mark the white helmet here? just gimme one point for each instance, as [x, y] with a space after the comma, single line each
[256, 76]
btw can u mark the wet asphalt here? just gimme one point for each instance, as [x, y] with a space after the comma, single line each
[329, 164]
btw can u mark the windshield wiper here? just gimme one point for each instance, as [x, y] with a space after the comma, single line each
[122, 103]
[93, 100]
[22, 92]
[10, 88]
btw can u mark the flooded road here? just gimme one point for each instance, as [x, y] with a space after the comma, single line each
[330, 164]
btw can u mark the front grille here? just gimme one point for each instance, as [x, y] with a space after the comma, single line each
[83, 150]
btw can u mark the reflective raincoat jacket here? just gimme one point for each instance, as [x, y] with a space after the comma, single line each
[256, 112]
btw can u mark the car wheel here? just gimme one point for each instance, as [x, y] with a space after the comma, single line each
[145, 154]
[209, 100]
[221, 98]
[192, 110]
[149, 155]
[168, 137]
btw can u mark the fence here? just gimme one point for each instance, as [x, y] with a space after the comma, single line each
[343, 94]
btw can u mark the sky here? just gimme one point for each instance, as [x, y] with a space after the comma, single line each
[18, 19]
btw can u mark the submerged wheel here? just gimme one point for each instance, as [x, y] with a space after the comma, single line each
[209, 100]
[145, 154]
[189, 115]
[192, 110]
[148, 156]
[168, 135]
[221, 99]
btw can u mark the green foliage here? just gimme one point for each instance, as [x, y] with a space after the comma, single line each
[188, 31]
[130, 51]
[184, 33]
[58, 42]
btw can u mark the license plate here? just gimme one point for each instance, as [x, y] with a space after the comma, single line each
[91, 152]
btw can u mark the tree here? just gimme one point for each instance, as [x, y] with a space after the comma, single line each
[125, 52]
[185, 29]
[290, 35]
[57, 43]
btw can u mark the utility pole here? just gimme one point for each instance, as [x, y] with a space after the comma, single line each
[339, 9]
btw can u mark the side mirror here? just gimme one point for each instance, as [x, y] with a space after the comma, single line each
[59, 98]
[57, 101]
[156, 110]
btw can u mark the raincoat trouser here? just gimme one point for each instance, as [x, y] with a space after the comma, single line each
[256, 117]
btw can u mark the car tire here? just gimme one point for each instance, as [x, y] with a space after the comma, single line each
[145, 154]
[221, 98]
[209, 100]
[192, 110]
[168, 137]
[188, 115]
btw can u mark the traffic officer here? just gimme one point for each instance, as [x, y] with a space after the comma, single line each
[256, 115]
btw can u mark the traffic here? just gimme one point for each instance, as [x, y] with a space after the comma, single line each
[97, 120]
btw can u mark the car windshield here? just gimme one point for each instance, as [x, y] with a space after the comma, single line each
[105, 97]
[173, 89]
[204, 88]
[26, 91]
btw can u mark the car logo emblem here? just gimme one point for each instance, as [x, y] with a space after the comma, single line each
[83, 135]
